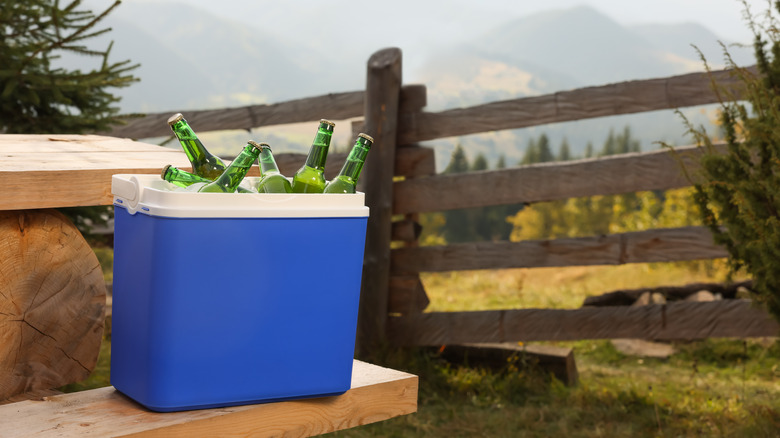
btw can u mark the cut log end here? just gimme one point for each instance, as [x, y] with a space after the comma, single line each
[52, 302]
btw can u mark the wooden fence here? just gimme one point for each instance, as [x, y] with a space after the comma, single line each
[393, 299]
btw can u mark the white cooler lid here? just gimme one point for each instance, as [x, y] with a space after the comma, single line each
[151, 195]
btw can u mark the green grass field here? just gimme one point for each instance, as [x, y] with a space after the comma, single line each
[712, 388]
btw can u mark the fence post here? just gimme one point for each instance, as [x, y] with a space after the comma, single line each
[383, 88]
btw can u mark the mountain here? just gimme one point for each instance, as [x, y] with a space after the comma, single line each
[680, 39]
[191, 59]
[204, 54]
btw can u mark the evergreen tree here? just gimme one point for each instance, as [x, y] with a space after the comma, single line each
[38, 97]
[564, 154]
[458, 225]
[480, 162]
[610, 145]
[501, 162]
[531, 153]
[589, 150]
[458, 161]
[739, 196]
[544, 150]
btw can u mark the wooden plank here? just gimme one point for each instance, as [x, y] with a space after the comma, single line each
[377, 394]
[332, 106]
[625, 173]
[585, 103]
[383, 85]
[681, 320]
[406, 230]
[407, 295]
[658, 245]
[414, 161]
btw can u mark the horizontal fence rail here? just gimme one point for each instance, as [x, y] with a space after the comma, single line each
[334, 106]
[610, 175]
[585, 103]
[657, 245]
[672, 321]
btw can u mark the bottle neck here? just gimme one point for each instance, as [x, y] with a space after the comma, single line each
[174, 174]
[235, 173]
[355, 160]
[318, 153]
[190, 142]
[267, 163]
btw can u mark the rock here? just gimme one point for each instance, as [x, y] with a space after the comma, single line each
[640, 347]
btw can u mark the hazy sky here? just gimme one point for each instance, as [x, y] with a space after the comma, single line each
[724, 17]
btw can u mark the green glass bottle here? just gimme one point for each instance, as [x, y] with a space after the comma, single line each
[232, 176]
[271, 180]
[346, 180]
[203, 162]
[181, 178]
[310, 177]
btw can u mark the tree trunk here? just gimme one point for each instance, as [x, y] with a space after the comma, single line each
[52, 302]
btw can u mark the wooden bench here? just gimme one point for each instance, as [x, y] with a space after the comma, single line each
[41, 172]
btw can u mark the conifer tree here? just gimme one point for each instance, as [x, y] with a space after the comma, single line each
[564, 153]
[739, 194]
[39, 97]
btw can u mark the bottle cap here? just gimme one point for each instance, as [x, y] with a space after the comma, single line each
[264, 145]
[175, 118]
[327, 122]
[164, 171]
[366, 136]
[256, 145]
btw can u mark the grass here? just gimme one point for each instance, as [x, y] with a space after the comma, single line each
[717, 387]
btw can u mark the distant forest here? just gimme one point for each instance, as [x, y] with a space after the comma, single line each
[594, 215]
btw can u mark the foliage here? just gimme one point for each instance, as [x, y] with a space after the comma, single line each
[594, 215]
[468, 224]
[738, 191]
[39, 98]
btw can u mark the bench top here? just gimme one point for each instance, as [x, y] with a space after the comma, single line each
[58, 170]
[377, 394]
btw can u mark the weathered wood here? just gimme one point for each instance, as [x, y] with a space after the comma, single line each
[558, 361]
[407, 295]
[377, 394]
[45, 171]
[585, 103]
[616, 174]
[332, 106]
[679, 320]
[406, 230]
[414, 161]
[659, 245]
[383, 85]
[627, 297]
[52, 302]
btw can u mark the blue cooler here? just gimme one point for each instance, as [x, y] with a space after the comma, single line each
[228, 299]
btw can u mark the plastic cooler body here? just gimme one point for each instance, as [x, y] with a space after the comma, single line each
[218, 311]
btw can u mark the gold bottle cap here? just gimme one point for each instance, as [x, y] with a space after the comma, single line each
[164, 171]
[328, 122]
[175, 118]
[366, 136]
[257, 145]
